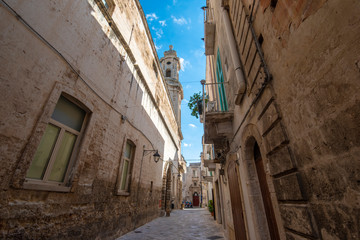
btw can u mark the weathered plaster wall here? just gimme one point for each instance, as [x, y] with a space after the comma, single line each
[97, 71]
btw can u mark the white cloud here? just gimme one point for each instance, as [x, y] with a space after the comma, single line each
[184, 64]
[185, 100]
[192, 125]
[158, 47]
[151, 16]
[180, 21]
[158, 31]
[162, 23]
[187, 145]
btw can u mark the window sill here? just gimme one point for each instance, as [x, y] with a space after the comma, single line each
[45, 186]
[122, 193]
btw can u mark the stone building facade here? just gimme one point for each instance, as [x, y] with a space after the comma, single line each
[192, 186]
[207, 173]
[283, 114]
[178, 171]
[84, 107]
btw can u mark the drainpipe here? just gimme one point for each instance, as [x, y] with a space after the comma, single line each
[234, 56]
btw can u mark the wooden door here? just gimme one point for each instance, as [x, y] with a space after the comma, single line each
[195, 200]
[270, 216]
[236, 204]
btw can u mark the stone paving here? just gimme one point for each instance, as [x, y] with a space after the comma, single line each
[192, 223]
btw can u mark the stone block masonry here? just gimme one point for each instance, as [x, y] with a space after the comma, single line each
[75, 53]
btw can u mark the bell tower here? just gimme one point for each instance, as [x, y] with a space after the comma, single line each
[170, 65]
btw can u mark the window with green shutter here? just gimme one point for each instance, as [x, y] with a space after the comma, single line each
[220, 79]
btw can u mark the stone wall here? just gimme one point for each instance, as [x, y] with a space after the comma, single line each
[304, 118]
[69, 48]
[311, 49]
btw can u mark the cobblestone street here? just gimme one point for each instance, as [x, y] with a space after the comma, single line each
[195, 223]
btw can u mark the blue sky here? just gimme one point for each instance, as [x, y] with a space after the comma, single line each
[180, 23]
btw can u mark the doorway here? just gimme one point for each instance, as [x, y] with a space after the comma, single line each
[196, 199]
[236, 203]
[217, 201]
[269, 211]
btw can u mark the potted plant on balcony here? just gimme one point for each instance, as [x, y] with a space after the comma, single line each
[211, 207]
[195, 104]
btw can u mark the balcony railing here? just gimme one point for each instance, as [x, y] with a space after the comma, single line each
[208, 178]
[218, 123]
[208, 14]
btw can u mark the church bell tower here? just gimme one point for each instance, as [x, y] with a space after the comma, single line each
[170, 65]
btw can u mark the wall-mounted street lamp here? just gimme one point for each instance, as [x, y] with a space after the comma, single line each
[156, 155]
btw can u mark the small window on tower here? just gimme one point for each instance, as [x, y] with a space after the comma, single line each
[168, 73]
[168, 63]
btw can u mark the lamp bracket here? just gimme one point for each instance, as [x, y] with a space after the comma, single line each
[147, 152]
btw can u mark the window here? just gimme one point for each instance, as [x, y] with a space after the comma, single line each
[126, 166]
[260, 39]
[220, 79]
[273, 3]
[105, 4]
[54, 155]
[168, 73]
[155, 68]
[109, 5]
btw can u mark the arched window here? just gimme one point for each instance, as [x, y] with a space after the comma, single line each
[168, 73]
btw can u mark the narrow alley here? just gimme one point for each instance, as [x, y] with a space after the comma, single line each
[194, 223]
[115, 114]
